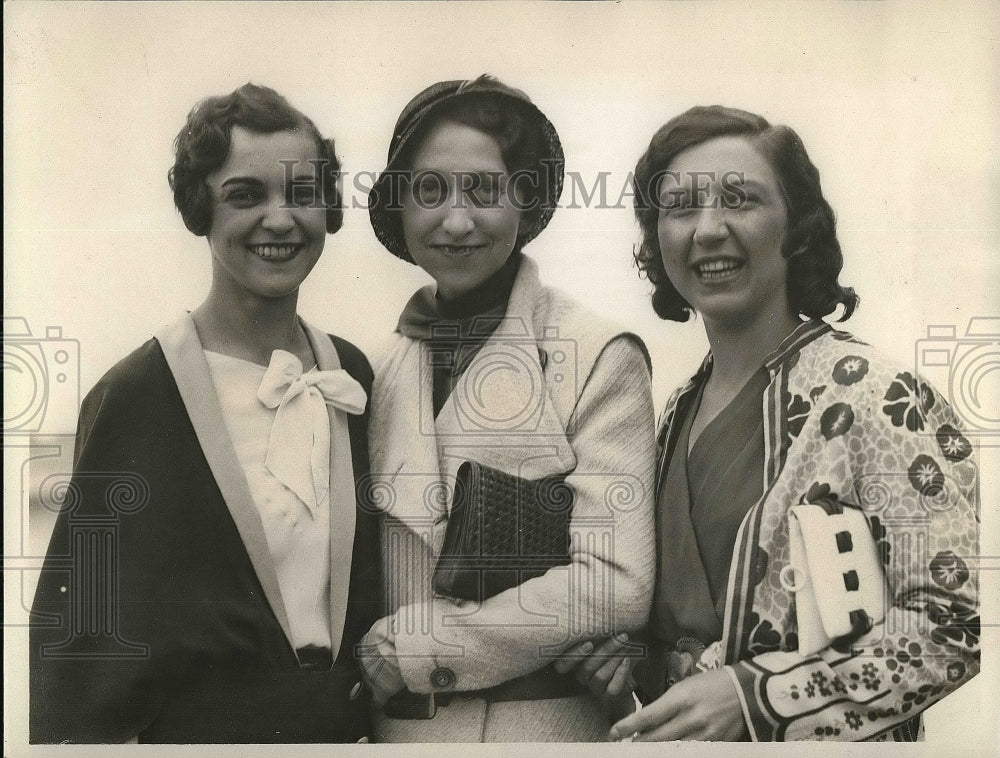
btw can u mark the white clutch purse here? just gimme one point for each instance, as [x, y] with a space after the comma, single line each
[835, 573]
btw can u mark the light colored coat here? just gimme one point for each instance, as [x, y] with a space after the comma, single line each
[555, 389]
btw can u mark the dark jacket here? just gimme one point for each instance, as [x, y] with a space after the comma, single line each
[150, 618]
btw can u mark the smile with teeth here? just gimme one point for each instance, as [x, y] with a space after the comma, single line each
[280, 252]
[458, 250]
[718, 268]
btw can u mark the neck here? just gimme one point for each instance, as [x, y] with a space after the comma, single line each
[490, 294]
[739, 349]
[249, 327]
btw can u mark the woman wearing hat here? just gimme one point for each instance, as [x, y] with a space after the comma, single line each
[488, 365]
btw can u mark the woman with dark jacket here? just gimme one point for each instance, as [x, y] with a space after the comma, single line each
[211, 569]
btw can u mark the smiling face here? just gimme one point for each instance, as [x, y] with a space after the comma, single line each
[459, 223]
[722, 221]
[269, 223]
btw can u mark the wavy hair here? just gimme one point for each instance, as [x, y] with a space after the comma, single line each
[202, 146]
[810, 246]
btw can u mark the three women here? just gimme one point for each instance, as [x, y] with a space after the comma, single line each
[263, 571]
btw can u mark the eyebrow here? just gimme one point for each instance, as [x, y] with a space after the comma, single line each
[484, 174]
[241, 180]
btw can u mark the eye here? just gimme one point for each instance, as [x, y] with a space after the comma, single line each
[742, 200]
[429, 189]
[243, 196]
[487, 192]
[675, 203]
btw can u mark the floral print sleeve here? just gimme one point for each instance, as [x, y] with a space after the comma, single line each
[848, 430]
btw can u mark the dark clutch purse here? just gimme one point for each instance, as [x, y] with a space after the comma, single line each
[502, 531]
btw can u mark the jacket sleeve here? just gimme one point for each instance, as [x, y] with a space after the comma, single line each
[911, 471]
[608, 584]
[88, 682]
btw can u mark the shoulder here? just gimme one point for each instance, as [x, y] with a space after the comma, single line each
[137, 389]
[852, 386]
[558, 316]
[139, 371]
[353, 360]
[839, 362]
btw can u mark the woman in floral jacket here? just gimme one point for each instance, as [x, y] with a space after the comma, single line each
[785, 411]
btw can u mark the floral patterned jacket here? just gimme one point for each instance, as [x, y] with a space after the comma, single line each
[843, 427]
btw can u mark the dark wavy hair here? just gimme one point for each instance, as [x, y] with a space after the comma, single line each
[810, 246]
[202, 146]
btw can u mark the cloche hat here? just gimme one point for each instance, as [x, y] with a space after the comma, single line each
[384, 207]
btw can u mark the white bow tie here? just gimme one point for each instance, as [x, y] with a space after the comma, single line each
[298, 451]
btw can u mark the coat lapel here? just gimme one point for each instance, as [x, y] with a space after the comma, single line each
[500, 414]
[186, 359]
[744, 571]
[342, 500]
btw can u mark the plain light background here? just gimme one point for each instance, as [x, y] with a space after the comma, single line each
[896, 102]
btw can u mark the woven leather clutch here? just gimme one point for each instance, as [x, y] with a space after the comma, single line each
[502, 531]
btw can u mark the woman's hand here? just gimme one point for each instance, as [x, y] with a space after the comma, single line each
[377, 658]
[606, 671]
[702, 707]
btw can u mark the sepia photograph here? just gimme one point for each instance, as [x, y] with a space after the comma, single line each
[501, 373]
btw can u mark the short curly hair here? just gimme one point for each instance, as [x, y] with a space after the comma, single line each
[202, 146]
[810, 246]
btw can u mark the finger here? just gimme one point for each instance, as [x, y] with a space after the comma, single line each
[571, 658]
[598, 683]
[683, 725]
[609, 649]
[620, 680]
[652, 716]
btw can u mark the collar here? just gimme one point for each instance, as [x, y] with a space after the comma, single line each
[426, 308]
[185, 357]
[797, 339]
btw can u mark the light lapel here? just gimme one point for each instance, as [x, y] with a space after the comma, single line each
[186, 359]
[343, 516]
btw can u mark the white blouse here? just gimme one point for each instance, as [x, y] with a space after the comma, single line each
[298, 534]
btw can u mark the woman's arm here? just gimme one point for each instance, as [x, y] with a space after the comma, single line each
[914, 477]
[606, 587]
[87, 687]
[910, 470]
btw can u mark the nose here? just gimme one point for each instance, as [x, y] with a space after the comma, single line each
[458, 217]
[712, 226]
[278, 218]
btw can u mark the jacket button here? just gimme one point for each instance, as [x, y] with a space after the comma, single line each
[442, 677]
[355, 692]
